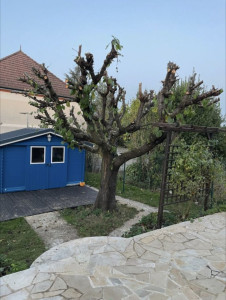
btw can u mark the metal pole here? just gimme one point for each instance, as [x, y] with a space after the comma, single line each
[25, 113]
[211, 204]
[164, 176]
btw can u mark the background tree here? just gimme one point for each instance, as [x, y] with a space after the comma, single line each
[146, 172]
[104, 125]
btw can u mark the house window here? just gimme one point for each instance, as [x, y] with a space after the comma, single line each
[38, 155]
[58, 155]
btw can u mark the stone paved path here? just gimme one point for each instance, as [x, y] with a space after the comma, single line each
[185, 261]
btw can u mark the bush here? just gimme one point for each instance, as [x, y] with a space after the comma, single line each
[146, 172]
[147, 223]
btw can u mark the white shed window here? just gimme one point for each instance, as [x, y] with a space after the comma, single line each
[37, 155]
[58, 154]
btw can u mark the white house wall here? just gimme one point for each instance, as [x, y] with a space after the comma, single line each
[12, 109]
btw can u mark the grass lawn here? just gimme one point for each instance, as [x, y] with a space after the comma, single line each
[95, 222]
[131, 192]
[19, 246]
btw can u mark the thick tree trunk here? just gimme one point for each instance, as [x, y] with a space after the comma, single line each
[106, 195]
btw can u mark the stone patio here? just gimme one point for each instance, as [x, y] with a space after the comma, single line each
[180, 262]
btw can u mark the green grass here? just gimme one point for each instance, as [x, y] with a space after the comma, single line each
[131, 192]
[95, 222]
[19, 246]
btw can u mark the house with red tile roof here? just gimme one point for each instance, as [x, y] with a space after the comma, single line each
[15, 110]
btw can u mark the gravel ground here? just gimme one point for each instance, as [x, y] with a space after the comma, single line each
[52, 228]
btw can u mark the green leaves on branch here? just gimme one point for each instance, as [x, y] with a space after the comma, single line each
[60, 107]
[180, 118]
[84, 102]
[87, 100]
[116, 43]
[169, 119]
[157, 132]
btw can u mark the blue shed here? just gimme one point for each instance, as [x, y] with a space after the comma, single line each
[34, 159]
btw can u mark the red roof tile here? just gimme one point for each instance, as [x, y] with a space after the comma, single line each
[13, 67]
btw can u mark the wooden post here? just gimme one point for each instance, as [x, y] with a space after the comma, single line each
[164, 176]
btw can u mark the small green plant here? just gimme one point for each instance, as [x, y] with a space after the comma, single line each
[8, 267]
[147, 223]
[5, 265]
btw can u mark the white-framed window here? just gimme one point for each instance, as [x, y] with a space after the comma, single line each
[37, 154]
[57, 154]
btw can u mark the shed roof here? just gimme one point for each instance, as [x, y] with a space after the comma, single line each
[23, 134]
[13, 67]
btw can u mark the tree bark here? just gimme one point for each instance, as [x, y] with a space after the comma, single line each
[106, 195]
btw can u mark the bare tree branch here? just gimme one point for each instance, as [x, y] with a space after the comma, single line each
[165, 92]
[136, 152]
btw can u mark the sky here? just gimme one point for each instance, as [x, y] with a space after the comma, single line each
[190, 33]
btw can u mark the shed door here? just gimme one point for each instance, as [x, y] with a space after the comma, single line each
[57, 167]
[14, 168]
[48, 168]
[37, 175]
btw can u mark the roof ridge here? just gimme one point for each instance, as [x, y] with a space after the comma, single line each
[20, 51]
[1, 59]
[15, 65]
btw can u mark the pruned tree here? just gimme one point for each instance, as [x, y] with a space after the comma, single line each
[99, 96]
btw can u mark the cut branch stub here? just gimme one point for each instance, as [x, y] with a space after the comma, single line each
[140, 90]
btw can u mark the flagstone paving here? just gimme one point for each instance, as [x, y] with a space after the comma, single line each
[185, 261]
